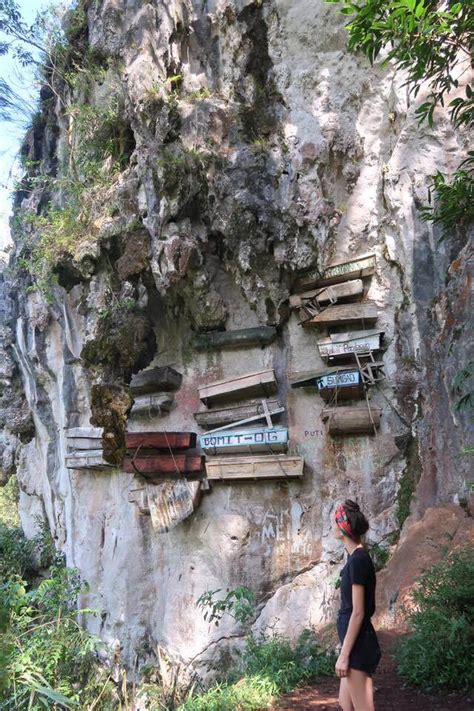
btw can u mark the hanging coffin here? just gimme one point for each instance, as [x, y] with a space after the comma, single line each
[258, 440]
[251, 411]
[341, 383]
[242, 338]
[343, 315]
[343, 345]
[278, 466]
[163, 465]
[350, 290]
[263, 382]
[160, 440]
[356, 268]
[86, 438]
[172, 502]
[352, 420]
[155, 380]
[151, 405]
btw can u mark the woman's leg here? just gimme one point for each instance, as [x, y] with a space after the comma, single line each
[345, 701]
[361, 690]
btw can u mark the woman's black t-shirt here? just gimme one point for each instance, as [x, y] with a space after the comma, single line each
[359, 570]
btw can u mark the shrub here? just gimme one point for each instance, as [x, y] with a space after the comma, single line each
[438, 651]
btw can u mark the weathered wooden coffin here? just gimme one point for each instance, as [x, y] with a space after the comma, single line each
[242, 338]
[343, 314]
[343, 345]
[278, 466]
[263, 382]
[347, 381]
[84, 438]
[352, 420]
[155, 380]
[151, 405]
[267, 439]
[160, 440]
[91, 459]
[356, 268]
[247, 411]
[172, 502]
[163, 465]
[349, 290]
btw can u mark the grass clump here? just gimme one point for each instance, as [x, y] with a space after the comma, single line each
[438, 651]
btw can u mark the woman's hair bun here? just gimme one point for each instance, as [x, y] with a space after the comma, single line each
[351, 505]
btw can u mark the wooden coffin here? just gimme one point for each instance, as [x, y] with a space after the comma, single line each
[278, 466]
[242, 338]
[92, 459]
[343, 345]
[262, 382]
[155, 380]
[84, 438]
[342, 315]
[251, 411]
[356, 268]
[151, 405]
[327, 295]
[160, 440]
[266, 439]
[172, 502]
[352, 420]
[342, 382]
[163, 465]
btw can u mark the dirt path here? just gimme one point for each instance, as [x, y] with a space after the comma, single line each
[390, 693]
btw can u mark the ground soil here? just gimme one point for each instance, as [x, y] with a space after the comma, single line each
[390, 694]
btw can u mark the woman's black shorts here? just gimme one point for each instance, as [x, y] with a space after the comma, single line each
[365, 654]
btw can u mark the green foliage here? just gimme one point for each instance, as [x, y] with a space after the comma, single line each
[426, 39]
[267, 667]
[454, 206]
[431, 42]
[438, 650]
[16, 553]
[238, 603]
[380, 555]
[9, 503]
[465, 399]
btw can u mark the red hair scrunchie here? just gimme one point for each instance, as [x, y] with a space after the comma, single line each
[343, 522]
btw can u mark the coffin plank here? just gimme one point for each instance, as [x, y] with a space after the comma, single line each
[352, 420]
[262, 382]
[326, 295]
[356, 268]
[266, 439]
[84, 443]
[92, 459]
[151, 405]
[161, 440]
[163, 464]
[308, 378]
[343, 314]
[279, 466]
[227, 415]
[87, 432]
[153, 380]
[259, 336]
[172, 502]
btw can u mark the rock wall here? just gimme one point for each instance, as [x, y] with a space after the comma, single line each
[257, 147]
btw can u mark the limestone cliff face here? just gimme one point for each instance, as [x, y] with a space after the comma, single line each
[255, 146]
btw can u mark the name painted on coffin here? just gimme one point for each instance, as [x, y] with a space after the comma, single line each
[338, 379]
[245, 438]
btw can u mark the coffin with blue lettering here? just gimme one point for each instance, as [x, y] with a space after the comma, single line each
[265, 439]
[342, 383]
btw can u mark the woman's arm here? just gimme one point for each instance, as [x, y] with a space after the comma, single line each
[355, 623]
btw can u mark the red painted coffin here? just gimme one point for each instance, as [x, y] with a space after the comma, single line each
[163, 464]
[161, 440]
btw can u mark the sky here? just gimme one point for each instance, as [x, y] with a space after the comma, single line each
[11, 134]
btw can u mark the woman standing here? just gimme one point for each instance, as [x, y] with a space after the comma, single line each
[360, 652]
